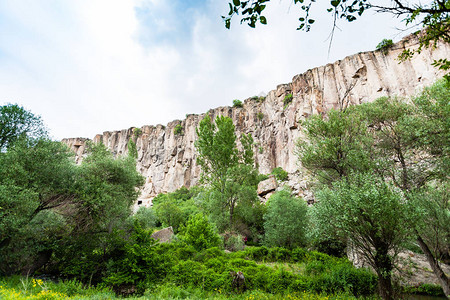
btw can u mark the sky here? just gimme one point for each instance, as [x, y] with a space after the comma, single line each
[89, 66]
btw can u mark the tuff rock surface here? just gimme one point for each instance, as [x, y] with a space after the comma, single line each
[168, 161]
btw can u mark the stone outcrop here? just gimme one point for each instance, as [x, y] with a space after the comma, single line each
[267, 186]
[168, 160]
[164, 235]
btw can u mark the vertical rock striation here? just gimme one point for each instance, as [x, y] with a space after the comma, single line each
[168, 160]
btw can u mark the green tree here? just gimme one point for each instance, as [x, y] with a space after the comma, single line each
[225, 169]
[285, 221]
[15, 121]
[173, 209]
[335, 146]
[36, 177]
[280, 174]
[106, 187]
[403, 143]
[412, 143]
[199, 233]
[372, 216]
[433, 207]
[145, 218]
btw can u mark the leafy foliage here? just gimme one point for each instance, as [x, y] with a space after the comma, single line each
[285, 221]
[35, 176]
[137, 132]
[336, 145]
[260, 116]
[384, 45]
[394, 140]
[372, 215]
[229, 172]
[17, 122]
[199, 233]
[178, 129]
[434, 17]
[174, 209]
[287, 100]
[280, 174]
[237, 103]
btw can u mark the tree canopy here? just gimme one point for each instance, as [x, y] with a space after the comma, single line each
[15, 121]
[404, 145]
[226, 169]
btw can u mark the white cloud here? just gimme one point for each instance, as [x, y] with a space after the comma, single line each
[92, 65]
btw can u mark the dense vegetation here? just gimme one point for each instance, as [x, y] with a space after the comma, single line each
[380, 178]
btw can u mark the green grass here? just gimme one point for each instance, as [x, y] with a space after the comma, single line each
[270, 273]
[22, 288]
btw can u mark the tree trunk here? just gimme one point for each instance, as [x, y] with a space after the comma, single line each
[40, 260]
[385, 286]
[443, 279]
[383, 267]
[231, 215]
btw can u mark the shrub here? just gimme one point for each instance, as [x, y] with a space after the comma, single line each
[260, 116]
[280, 174]
[199, 233]
[299, 255]
[257, 253]
[237, 103]
[178, 130]
[287, 99]
[137, 263]
[426, 289]
[384, 45]
[137, 132]
[145, 217]
[285, 220]
[279, 254]
[259, 99]
[329, 245]
[234, 242]
[314, 267]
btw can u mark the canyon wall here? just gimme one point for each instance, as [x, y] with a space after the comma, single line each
[168, 160]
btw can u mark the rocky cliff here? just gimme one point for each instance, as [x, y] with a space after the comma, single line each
[168, 160]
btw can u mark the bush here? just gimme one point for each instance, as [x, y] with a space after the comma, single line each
[315, 267]
[285, 220]
[257, 253]
[145, 217]
[138, 263]
[384, 45]
[287, 100]
[260, 116]
[279, 254]
[425, 289]
[280, 174]
[259, 99]
[178, 130]
[237, 103]
[234, 242]
[137, 132]
[329, 245]
[199, 233]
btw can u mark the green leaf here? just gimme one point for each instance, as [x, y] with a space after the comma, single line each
[236, 2]
[335, 3]
[227, 23]
[263, 20]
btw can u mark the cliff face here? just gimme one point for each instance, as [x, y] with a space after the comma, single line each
[168, 161]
